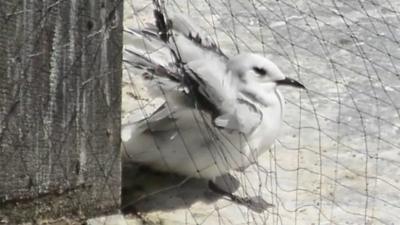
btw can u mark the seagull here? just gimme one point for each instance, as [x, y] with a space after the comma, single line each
[219, 113]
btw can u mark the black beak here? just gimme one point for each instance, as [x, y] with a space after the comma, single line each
[290, 82]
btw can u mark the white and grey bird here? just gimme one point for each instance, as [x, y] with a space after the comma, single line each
[220, 113]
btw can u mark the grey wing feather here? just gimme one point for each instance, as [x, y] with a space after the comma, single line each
[185, 26]
[219, 87]
[195, 34]
[176, 48]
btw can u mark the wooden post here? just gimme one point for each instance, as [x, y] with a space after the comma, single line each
[60, 100]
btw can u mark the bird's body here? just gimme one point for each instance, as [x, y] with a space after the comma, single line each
[186, 141]
[219, 114]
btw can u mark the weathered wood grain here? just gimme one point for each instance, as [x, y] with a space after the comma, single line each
[60, 84]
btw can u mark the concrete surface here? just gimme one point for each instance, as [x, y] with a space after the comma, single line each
[337, 160]
[116, 219]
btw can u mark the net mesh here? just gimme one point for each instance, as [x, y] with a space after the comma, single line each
[336, 161]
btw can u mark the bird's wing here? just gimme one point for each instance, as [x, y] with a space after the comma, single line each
[195, 34]
[181, 60]
[145, 49]
[188, 41]
[217, 85]
[160, 50]
[186, 27]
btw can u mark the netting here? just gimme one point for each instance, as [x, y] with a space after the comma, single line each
[337, 160]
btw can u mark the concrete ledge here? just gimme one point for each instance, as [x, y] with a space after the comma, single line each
[116, 219]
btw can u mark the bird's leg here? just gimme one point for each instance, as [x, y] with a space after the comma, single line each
[213, 187]
[240, 200]
[257, 203]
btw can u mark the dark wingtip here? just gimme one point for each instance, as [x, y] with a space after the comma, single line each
[161, 24]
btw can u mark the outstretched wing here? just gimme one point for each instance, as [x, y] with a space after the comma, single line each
[182, 61]
[179, 30]
[161, 50]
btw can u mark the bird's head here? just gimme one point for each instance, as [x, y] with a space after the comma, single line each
[255, 69]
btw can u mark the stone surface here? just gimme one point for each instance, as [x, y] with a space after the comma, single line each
[117, 219]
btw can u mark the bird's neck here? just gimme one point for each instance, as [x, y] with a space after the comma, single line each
[267, 96]
[269, 101]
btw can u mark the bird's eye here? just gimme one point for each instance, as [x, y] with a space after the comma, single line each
[260, 71]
